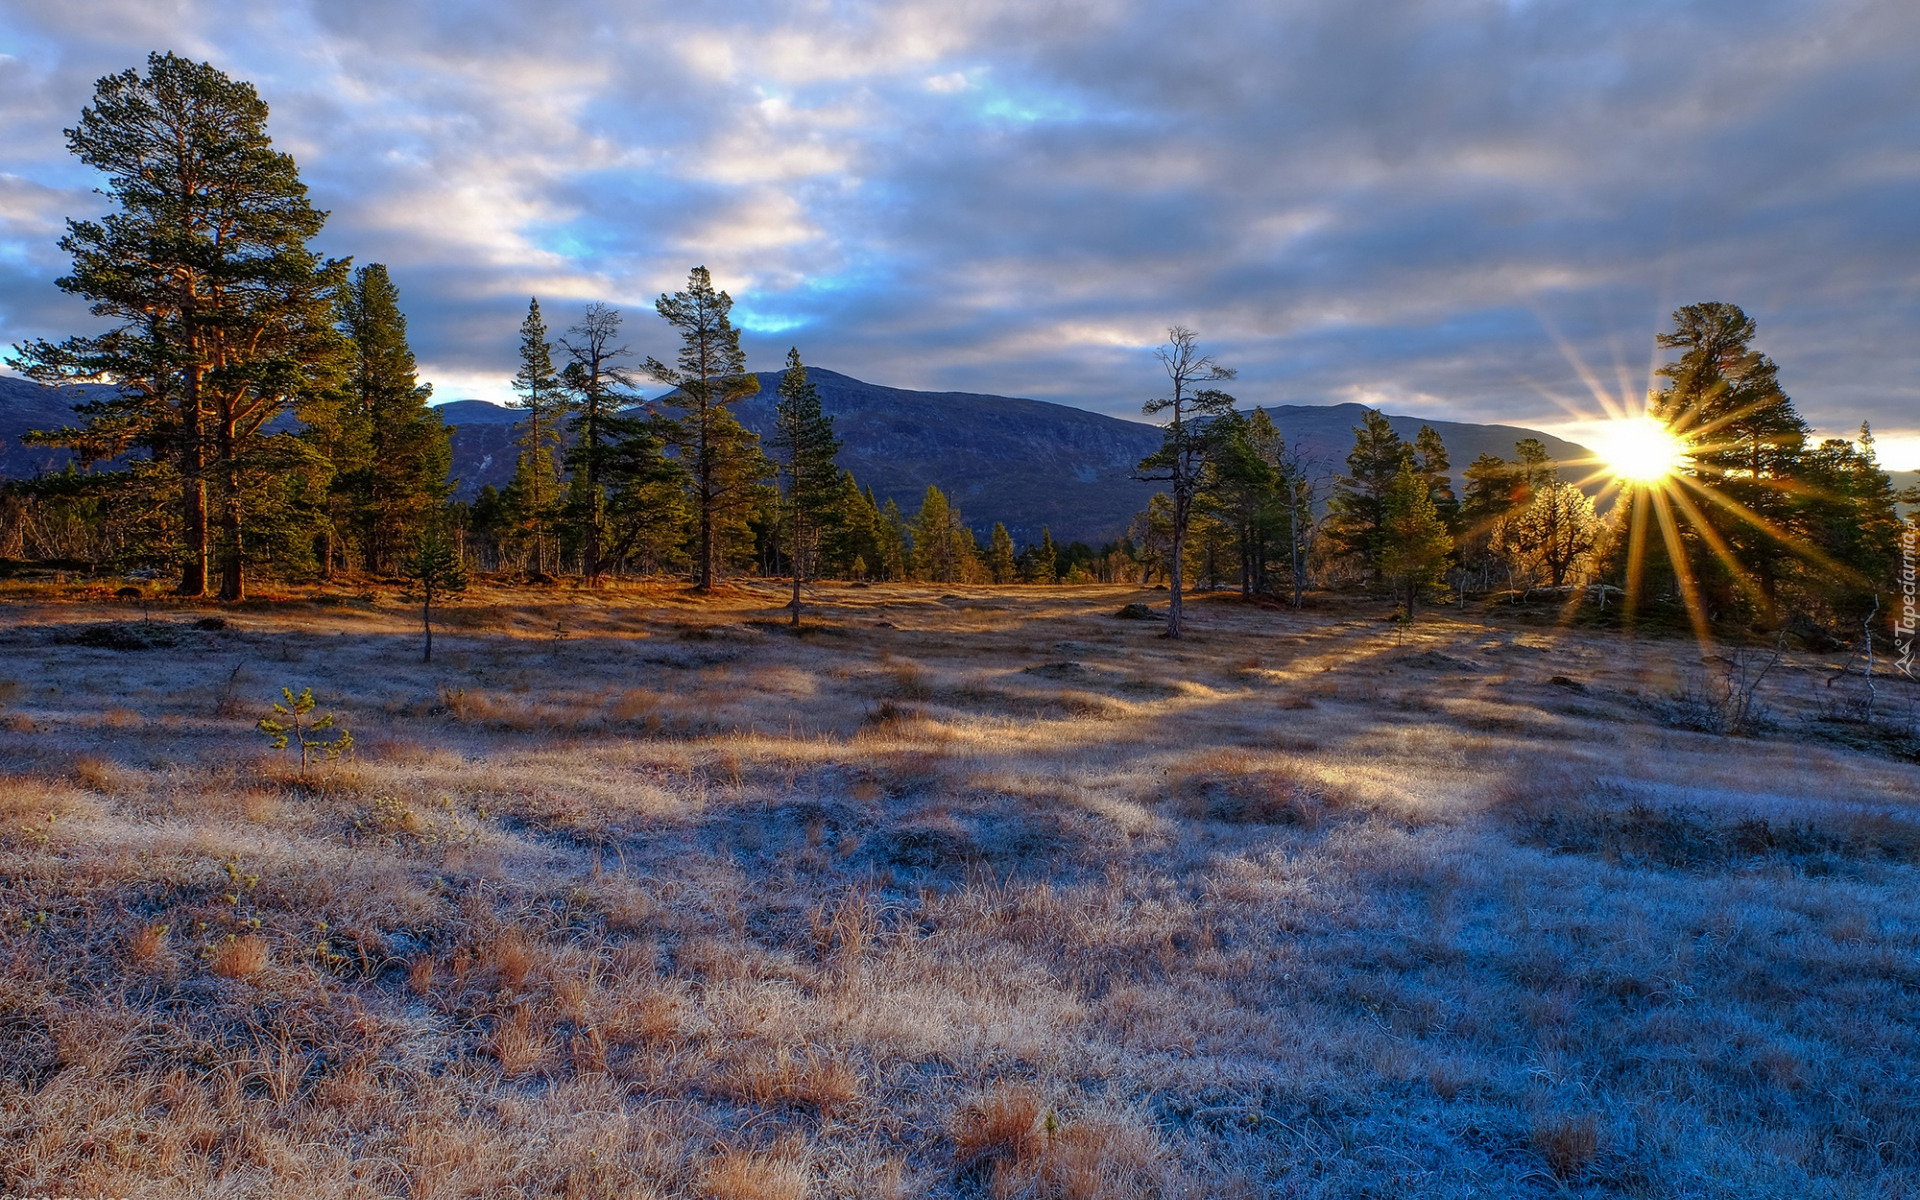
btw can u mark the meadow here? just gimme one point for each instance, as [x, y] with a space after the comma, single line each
[957, 892]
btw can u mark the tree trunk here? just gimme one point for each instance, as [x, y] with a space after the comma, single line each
[426, 621]
[233, 583]
[1174, 573]
[706, 498]
[193, 574]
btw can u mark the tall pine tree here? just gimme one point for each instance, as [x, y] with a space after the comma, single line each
[724, 465]
[1412, 546]
[223, 315]
[1359, 503]
[1745, 441]
[805, 447]
[535, 488]
[394, 451]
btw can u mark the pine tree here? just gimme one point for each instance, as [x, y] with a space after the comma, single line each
[1556, 533]
[1413, 543]
[394, 451]
[1182, 460]
[804, 441]
[1497, 491]
[1430, 462]
[943, 547]
[223, 313]
[850, 539]
[1046, 559]
[1745, 445]
[1002, 564]
[435, 564]
[1359, 504]
[1848, 513]
[1246, 492]
[535, 489]
[896, 560]
[723, 461]
[600, 389]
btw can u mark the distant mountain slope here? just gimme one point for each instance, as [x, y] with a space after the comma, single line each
[1326, 432]
[26, 405]
[1026, 462]
[1029, 463]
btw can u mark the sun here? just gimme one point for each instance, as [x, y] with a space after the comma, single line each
[1640, 450]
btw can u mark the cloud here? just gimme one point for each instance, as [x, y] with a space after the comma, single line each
[1464, 207]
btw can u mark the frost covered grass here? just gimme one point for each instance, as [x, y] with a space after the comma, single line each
[976, 892]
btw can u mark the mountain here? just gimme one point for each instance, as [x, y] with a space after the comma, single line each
[1029, 463]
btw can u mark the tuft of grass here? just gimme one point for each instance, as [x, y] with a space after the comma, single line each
[1568, 1142]
[1240, 789]
[755, 1175]
[239, 957]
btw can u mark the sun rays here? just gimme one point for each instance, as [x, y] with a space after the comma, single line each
[1693, 469]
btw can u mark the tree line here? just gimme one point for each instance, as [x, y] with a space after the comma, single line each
[265, 412]
[263, 408]
[1758, 526]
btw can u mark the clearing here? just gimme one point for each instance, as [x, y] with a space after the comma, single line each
[962, 892]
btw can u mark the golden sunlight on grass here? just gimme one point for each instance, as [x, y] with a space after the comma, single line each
[962, 893]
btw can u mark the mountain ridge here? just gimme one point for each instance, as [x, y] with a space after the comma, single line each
[1028, 463]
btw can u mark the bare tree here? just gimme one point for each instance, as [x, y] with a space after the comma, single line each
[1181, 461]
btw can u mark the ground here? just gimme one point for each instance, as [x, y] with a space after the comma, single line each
[961, 892]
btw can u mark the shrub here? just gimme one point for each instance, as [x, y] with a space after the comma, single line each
[293, 721]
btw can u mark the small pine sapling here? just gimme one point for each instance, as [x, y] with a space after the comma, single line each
[293, 722]
[434, 563]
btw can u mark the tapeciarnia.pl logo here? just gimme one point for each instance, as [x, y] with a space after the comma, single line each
[1904, 620]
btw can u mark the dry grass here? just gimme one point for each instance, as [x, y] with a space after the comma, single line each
[962, 894]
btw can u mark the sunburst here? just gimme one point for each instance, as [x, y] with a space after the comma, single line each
[1661, 469]
[1640, 450]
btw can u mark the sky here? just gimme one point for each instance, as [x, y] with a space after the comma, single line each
[1476, 210]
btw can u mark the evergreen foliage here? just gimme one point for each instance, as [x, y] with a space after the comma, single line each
[434, 563]
[943, 547]
[803, 438]
[599, 389]
[390, 449]
[222, 314]
[533, 495]
[1002, 567]
[1247, 497]
[1413, 543]
[725, 468]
